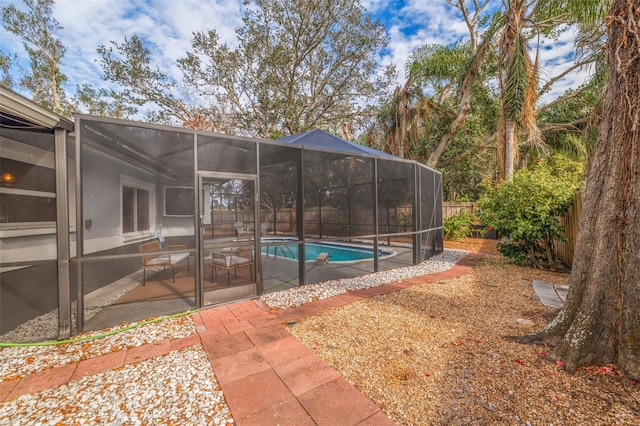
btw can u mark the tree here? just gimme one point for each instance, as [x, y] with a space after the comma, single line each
[5, 65]
[600, 320]
[129, 65]
[37, 28]
[449, 71]
[299, 64]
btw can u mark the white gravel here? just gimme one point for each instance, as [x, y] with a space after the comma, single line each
[179, 388]
[300, 295]
[18, 361]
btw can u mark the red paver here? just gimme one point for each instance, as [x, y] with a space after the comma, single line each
[239, 326]
[184, 342]
[150, 350]
[268, 333]
[237, 366]
[197, 320]
[42, 380]
[373, 291]
[288, 413]
[220, 346]
[253, 394]
[378, 419]
[284, 351]
[212, 322]
[305, 374]
[247, 310]
[351, 296]
[403, 284]
[224, 314]
[110, 361]
[332, 302]
[6, 388]
[337, 403]
[309, 309]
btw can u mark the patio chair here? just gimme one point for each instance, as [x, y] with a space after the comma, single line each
[243, 257]
[164, 259]
[263, 228]
[239, 229]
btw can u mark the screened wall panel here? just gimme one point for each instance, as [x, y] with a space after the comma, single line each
[395, 197]
[279, 178]
[226, 154]
[28, 236]
[147, 193]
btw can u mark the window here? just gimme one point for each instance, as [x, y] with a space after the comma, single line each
[135, 209]
[27, 192]
[137, 204]
[178, 201]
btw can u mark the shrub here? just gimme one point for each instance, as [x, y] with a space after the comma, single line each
[458, 226]
[525, 210]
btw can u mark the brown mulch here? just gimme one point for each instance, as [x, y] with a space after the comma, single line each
[438, 354]
[477, 245]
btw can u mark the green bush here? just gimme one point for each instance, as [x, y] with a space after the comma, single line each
[525, 210]
[458, 226]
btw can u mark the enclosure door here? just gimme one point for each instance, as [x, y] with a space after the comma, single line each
[228, 237]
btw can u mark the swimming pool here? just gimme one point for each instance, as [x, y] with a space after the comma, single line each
[338, 253]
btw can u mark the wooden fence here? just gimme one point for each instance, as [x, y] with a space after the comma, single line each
[565, 250]
[450, 208]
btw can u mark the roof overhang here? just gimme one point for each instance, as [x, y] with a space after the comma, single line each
[20, 107]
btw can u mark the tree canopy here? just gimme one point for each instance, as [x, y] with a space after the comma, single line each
[298, 65]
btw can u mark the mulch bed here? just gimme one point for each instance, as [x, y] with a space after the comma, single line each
[438, 353]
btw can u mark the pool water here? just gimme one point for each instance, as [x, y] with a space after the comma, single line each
[336, 252]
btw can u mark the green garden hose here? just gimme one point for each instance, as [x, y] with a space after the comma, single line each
[98, 336]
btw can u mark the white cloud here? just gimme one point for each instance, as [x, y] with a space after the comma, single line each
[167, 27]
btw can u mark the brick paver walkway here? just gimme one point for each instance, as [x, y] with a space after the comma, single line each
[268, 376]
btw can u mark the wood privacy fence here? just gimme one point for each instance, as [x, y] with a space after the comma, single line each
[450, 208]
[565, 250]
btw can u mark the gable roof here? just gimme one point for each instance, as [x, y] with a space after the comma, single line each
[320, 139]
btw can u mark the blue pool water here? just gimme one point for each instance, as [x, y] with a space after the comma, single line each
[337, 252]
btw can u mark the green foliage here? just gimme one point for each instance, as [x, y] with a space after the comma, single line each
[458, 226]
[298, 65]
[37, 28]
[525, 210]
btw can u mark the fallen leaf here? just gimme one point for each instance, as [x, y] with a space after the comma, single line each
[519, 361]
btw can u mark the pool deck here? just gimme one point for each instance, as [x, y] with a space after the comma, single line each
[250, 351]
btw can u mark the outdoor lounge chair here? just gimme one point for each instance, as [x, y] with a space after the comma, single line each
[229, 261]
[157, 258]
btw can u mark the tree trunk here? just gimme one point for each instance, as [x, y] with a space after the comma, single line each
[463, 111]
[509, 149]
[600, 321]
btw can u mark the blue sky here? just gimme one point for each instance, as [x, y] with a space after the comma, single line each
[167, 26]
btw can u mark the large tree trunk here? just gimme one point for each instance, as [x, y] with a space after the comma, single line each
[600, 321]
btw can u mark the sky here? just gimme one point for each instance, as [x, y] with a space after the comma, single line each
[166, 27]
